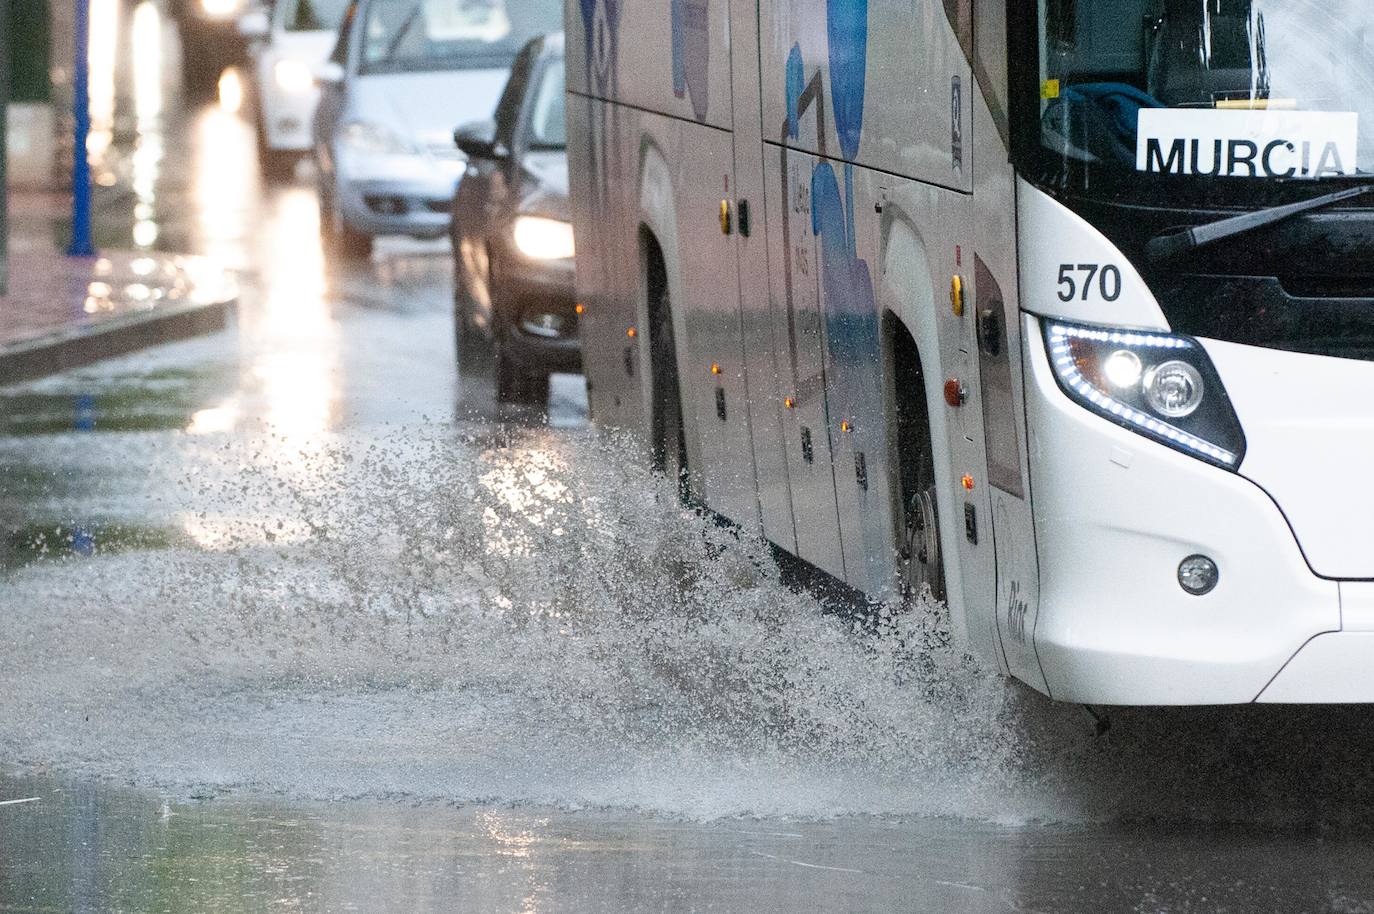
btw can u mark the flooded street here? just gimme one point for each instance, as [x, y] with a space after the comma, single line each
[296, 616]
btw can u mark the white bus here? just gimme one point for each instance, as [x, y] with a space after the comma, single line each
[1062, 308]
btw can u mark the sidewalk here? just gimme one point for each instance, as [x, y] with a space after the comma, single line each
[62, 312]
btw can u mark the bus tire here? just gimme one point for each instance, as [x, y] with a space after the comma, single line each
[922, 546]
[668, 429]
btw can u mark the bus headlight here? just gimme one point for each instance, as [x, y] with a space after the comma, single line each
[1155, 384]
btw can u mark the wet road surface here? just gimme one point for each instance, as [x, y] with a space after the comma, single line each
[296, 616]
[108, 849]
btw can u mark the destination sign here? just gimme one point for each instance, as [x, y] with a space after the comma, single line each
[1247, 144]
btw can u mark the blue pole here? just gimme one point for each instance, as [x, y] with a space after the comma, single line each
[81, 245]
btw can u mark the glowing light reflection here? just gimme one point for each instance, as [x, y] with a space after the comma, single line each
[224, 185]
[214, 420]
[230, 91]
[101, 57]
[293, 334]
[146, 162]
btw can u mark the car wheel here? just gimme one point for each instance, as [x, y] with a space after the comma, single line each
[515, 385]
[467, 341]
[278, 166]
[338, 235]
[508, 380]
[200, 71]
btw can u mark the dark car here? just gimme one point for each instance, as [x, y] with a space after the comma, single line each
[512, 234]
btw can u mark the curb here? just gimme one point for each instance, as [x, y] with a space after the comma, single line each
[55, 352]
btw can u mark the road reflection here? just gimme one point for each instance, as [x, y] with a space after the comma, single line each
[146, 163]
[292, 337]
[99, 848]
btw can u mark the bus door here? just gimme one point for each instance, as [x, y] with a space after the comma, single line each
[714, 385]
[756, 304]
[799, 344]
[998, 344]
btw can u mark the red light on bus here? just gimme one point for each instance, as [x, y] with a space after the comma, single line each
[955, 395]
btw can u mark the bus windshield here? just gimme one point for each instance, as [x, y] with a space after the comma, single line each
[1181, 90]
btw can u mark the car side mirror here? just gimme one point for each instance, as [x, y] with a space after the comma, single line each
[329, 73]
[478, 141]
[255, 24]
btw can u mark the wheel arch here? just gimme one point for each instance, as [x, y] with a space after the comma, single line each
[910, 317]
[658, 223]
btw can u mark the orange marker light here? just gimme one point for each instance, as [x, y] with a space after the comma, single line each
[715, 368]
[580, 308]
[954, 393]
[632, 333]
[846, 427]
[789, 403]
[968, 482]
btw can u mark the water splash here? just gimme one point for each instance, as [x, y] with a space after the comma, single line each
[527, 616]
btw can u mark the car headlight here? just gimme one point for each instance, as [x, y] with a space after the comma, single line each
[1158, 385]
[540, 238]
[374, 139]
[293, 76]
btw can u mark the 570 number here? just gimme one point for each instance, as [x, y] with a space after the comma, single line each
[1079, 282]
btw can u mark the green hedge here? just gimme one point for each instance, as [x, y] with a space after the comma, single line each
[30, 50]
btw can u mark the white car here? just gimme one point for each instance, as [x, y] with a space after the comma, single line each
[404, 76]
[290, 42]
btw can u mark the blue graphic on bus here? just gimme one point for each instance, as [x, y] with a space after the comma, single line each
[796, 86]
[692, 53]
[601, 25]
[847, 25]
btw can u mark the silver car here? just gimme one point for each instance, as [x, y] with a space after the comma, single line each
[403, 75]
[290, 39]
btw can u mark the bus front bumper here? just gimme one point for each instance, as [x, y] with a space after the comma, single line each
[1115, 515]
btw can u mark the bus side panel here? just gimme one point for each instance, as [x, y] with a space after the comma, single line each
[927, 240]
[848, 200]
[890, 70]
[669, 56]
[793, 272]
[756, 302]
[607, 262]
[1001, 396]
[704, 284]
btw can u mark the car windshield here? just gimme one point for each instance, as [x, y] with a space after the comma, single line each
[548, 129]
[1200, 89]
[312, 15]
[410, 35]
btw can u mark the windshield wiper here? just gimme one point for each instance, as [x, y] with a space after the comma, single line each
[395, 44]
[1166, 247]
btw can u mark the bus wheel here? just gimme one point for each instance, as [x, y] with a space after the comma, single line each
[922, 560]
[669, 436]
